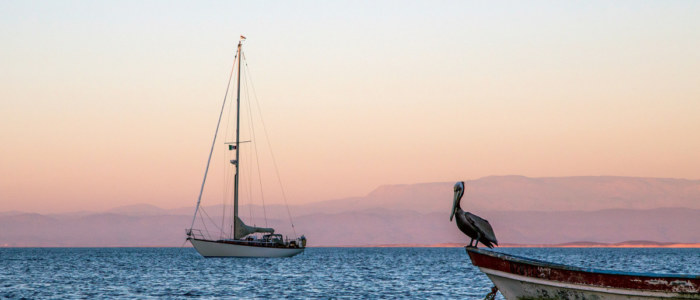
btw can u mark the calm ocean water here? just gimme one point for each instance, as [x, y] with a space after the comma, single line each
[318, 273]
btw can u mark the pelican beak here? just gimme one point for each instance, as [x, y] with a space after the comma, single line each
[459, 190]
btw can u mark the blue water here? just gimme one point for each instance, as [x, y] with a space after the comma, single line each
[174, 273]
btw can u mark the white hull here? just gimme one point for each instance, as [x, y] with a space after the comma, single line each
[214, 249]
[514, 286]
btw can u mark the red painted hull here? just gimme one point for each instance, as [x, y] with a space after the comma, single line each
[522, 278]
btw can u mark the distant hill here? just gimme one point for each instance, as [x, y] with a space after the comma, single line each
[407, 227]
[140, 210]
[365, 228]
[522, 210]
[509, 193]
[519, 193]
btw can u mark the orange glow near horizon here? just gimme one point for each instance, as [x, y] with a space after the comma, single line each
[108, 105]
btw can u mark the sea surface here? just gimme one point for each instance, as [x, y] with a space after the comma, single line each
[178, 273]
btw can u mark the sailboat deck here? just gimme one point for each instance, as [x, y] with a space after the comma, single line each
[254, 243]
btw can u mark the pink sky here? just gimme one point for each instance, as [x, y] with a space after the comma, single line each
[109, 104]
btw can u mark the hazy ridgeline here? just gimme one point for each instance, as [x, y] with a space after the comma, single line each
[521, 210]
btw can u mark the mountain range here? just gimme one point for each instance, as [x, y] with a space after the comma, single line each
[522, 210]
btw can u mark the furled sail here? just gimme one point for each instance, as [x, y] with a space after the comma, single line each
[242, 229]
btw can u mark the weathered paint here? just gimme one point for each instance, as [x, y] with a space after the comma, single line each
[523, 277]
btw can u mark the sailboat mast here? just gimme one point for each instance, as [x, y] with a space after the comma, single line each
[238, 133]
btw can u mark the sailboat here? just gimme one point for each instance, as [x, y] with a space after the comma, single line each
[241, 240]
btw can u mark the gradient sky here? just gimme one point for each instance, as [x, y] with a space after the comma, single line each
[105, 104]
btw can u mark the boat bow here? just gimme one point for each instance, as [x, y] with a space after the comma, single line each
[524, 278]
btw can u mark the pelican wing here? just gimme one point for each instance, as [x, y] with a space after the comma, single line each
[483, 227]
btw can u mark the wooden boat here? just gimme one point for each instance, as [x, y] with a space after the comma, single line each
[523, 278]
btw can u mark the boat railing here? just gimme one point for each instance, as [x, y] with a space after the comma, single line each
[262, 243]
[269, 240]
[195, 233]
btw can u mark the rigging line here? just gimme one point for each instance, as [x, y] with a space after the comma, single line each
[206, 171]
[269, 145]
[246, 187]
[257, 154]
[244, 168]
[205, 226]
[182, 246]
[223, 193]
[250, 187]
[227, 192]
[232, 172]
[250, 169]
[226, 189]
[245, 171]
[212, 221]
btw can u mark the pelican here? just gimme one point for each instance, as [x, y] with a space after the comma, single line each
[472, 225]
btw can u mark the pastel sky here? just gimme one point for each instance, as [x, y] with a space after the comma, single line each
[109, 103]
